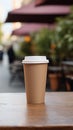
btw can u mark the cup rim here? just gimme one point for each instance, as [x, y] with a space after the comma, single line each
[35, 59]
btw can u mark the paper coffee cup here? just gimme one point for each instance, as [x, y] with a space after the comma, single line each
[35, 73]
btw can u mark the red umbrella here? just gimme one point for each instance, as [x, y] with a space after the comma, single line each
[26, 29]
[53, 2]
[43, 14]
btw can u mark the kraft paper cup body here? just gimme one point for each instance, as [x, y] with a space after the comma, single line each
[35, 73]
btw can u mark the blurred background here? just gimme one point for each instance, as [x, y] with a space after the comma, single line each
[36, 27]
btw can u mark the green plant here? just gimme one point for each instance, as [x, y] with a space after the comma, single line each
[24, 49]
[42, 41]
[64, 38]
[45, 44]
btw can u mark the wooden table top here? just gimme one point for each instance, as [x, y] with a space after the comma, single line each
[56, 113]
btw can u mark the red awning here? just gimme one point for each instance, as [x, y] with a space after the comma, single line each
[53, 2]
[42, 14]
[27, 29]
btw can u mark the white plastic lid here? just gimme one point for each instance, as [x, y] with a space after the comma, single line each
[35, 59]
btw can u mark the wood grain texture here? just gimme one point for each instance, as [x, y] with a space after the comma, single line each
[56, 113]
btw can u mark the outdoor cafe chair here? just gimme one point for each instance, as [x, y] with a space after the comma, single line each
[67, 68]
[16, 70]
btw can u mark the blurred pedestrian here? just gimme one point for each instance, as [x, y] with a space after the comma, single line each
[11, 54]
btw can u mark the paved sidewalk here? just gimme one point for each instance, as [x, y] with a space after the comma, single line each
[5, 85]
